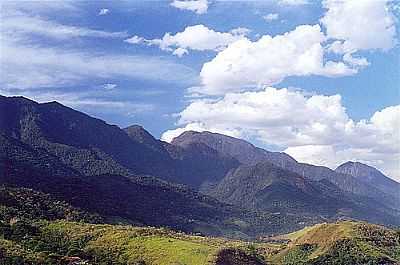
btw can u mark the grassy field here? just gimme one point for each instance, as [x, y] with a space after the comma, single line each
[57, 242]
[341, 243]
[48, 242]
[36, 230]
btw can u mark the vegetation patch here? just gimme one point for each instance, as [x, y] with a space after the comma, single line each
[341, 243]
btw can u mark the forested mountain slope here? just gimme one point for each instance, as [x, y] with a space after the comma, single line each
[250, 155]
[371, 176]
[133, 199]
[127, 174]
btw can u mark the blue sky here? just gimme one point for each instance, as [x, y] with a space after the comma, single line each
[242, 68]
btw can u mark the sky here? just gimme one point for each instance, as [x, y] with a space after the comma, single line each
[319, 80]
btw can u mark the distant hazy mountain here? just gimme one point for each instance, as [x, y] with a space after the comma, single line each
[248, 154]
[267, 187]
[194, 164]
[371, 176]
[243, 151]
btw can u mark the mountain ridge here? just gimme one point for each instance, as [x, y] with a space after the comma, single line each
[59, 150]
[233, 147]
[267, 187]
[57, 168]
[242, 151]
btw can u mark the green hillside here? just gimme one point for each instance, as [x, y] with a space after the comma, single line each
[341, 243]
[57, 242]
[37, 229]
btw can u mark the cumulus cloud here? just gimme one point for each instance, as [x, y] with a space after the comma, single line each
[304, 126]
[360, 25]
[104, 11]
[245, 64]
[249, 65]
[197, 37]
[271, 17]
[344, 21]
[197, 6]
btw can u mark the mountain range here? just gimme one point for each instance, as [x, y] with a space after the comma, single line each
[359, 182]
[200, 182]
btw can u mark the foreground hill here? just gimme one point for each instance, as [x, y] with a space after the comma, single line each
[341, 243]
[34, 230]
[61, 242]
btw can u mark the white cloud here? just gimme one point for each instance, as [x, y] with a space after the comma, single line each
[197, 37]
[89, 102]
[24, 65]
[21, 23]
[240, 31]
[245, 64]
[109, 86]
[104, 11]
[180, 52]
[135, 40]
[31, 63]
[306, 126]
[348, 58]
[271, 17]
[197, 6]
[338, 47]
[293, 2]
[41, 7]
[250, 65]
[362, 25]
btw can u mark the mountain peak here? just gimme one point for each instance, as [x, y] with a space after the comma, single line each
[16, 100]
[357, 168]
[371, 176]
[53, 103]
[186, 135]
[243, 151]
[138, 134]
[354, 163]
